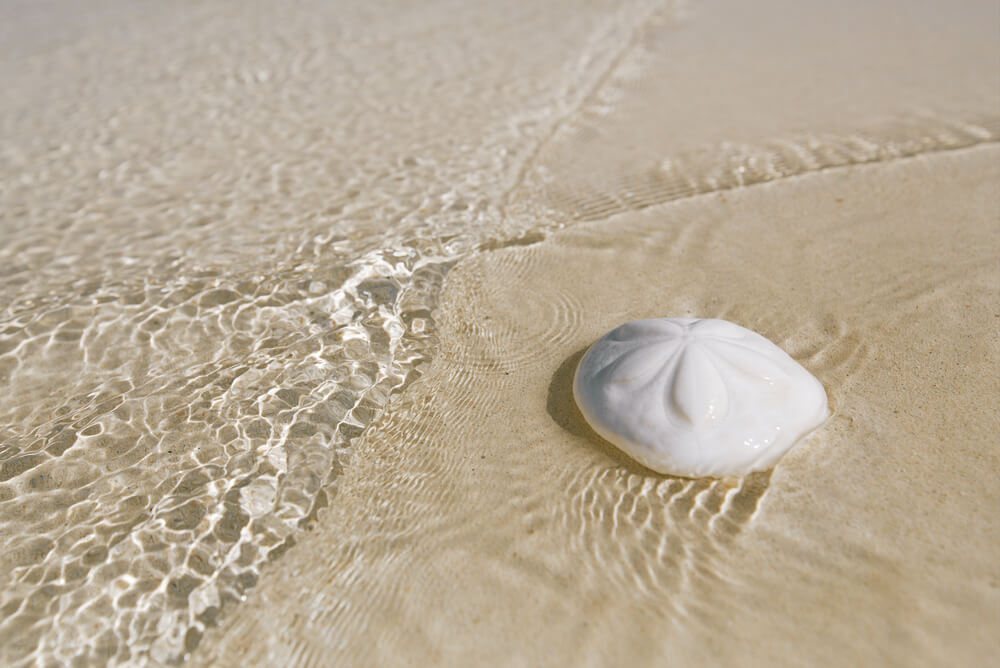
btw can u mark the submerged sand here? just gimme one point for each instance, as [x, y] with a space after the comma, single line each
[483, 523]
[293, 293]
[827, 177]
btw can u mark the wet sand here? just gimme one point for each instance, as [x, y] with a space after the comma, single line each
[838, 195]
[292, 294]
[484, 523]
[223, 234]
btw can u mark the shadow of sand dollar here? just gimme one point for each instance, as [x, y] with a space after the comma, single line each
[562, 408]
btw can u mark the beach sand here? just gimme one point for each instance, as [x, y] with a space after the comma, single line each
[483, 523]
[811, 174]
[292, 296]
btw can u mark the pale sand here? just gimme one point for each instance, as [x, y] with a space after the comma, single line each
[484, 524]
[224, 231]
[223, 228]
[723, 94]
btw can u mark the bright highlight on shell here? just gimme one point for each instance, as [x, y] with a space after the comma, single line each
[693, 397]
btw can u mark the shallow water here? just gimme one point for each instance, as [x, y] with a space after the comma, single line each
[226, 229]
[481, 508]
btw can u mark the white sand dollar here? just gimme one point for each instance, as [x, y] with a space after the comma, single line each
[693, 397]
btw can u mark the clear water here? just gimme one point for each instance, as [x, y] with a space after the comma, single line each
[223, 233]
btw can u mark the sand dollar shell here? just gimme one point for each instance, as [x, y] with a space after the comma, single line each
[693, 397]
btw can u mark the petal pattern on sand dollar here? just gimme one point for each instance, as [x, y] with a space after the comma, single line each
[698, 395]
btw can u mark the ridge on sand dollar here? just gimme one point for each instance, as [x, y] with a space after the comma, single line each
[697, 397]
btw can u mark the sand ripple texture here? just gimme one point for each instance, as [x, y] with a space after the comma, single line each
[484, 523]
[226, 229]
[723, 94]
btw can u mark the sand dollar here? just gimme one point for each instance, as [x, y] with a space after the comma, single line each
[697, 397]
